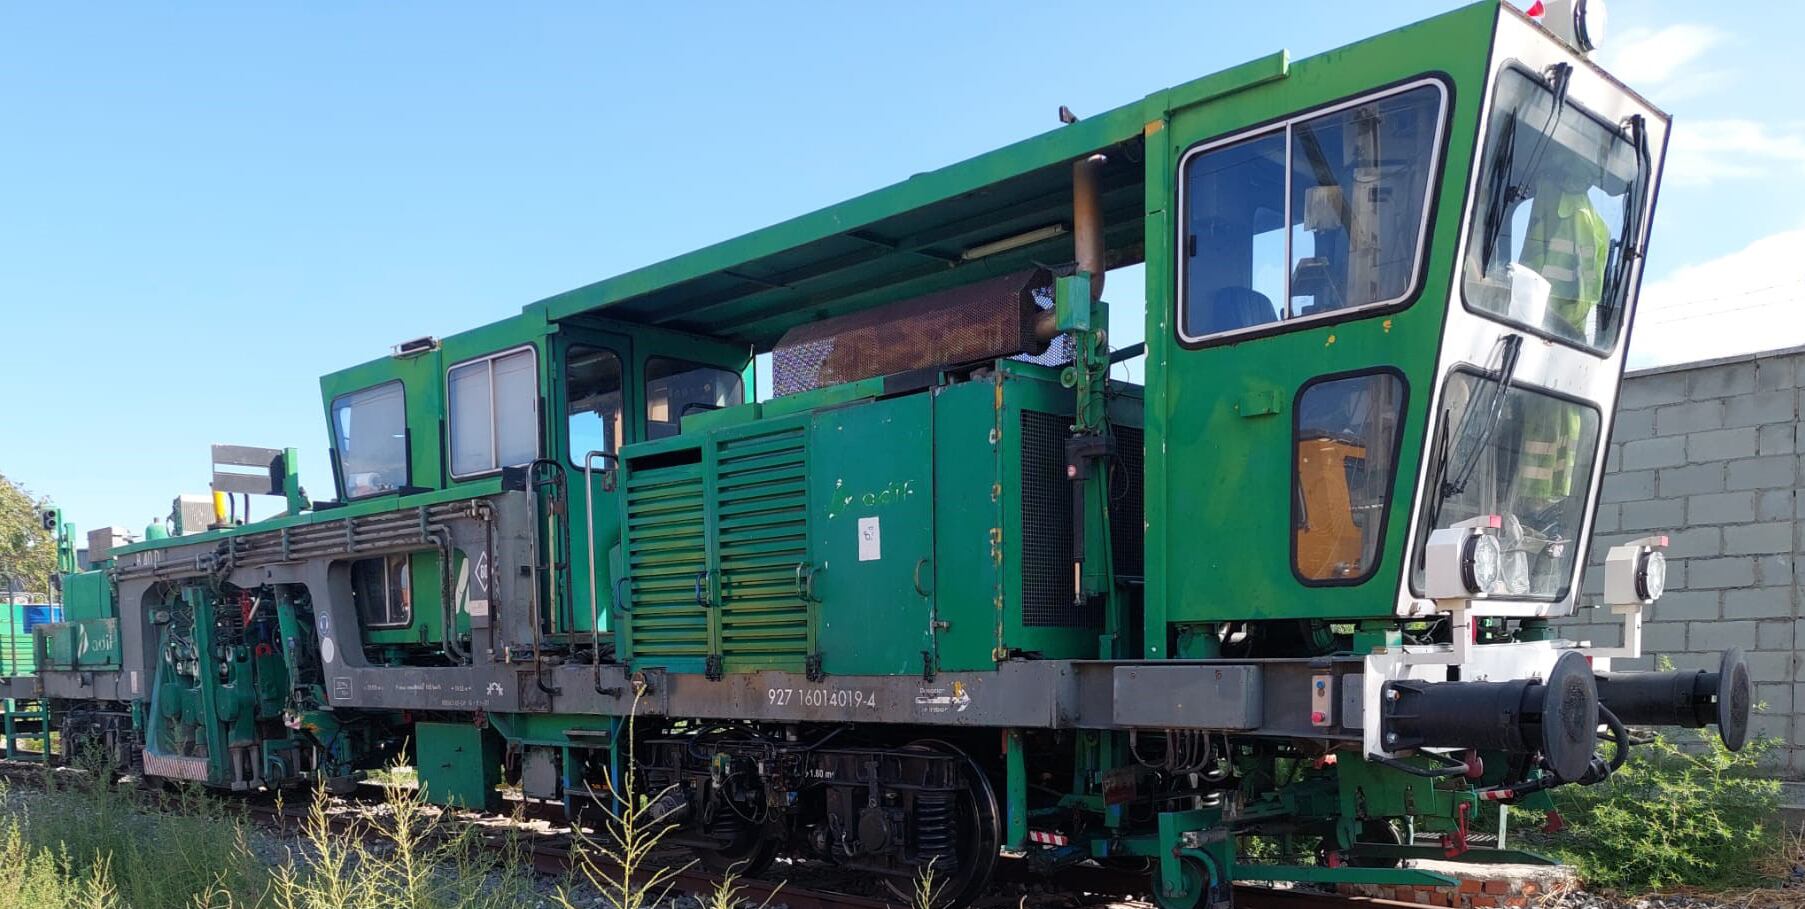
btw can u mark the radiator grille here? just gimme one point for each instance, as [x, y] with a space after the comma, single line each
[1047, 526]
[761, 503]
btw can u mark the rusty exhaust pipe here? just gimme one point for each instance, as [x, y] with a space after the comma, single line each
[1087, 220]
[1087, 237]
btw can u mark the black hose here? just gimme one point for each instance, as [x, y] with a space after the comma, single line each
[1459, 768]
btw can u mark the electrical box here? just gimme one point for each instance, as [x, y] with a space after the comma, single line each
[459, 765]
[192, 513]
[103, 540]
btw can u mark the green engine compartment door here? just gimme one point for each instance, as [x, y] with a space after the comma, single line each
[873, 489]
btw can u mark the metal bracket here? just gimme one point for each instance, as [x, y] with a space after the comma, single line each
[713, 668]
[812, 667]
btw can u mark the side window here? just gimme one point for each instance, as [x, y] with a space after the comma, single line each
[1323, 214]
[494, 410]
[382, 591]
[595, 409]
[1235, 246]
[369, 434]
[1346, 438]
[677, 388]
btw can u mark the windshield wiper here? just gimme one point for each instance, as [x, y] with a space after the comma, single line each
[1617, 279]
[1504, 191]
[1494, 412]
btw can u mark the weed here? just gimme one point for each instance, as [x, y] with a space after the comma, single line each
[634, 825]
[414, 858]
[1677, 813]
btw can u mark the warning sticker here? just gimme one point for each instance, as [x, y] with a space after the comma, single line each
[870, 540]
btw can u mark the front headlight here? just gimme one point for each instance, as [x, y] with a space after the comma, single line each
[1651, 575]
[1482, 563]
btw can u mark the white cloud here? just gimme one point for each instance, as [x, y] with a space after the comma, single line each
[1649, 58]
[1705, 151]
[1749, 300]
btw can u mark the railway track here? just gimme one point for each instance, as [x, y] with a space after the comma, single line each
[551, 853]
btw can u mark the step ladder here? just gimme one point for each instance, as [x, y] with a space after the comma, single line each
[26, 722]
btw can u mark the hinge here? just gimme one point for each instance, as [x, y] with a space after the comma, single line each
[927, 665]
[713, 668]
[812, 666]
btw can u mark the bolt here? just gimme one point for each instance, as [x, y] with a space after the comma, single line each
[1391, 694]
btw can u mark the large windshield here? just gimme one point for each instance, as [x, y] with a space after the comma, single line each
[1558, 212]
[1524, 456]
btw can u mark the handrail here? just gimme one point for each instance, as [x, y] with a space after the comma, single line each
[595, 608]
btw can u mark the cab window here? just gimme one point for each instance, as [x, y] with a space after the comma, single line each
[1557, 216]
[1346, 440]
[1524, 456]
[369, 436]
[494, 412]
[595, 409]
[677, 388]
[1304, 221]
[382, 591]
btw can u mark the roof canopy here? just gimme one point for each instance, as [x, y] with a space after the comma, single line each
[917, 236]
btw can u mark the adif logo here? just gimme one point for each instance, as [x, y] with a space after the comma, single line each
[494, 689]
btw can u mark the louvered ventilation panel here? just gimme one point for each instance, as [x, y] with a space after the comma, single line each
[761, 502]
[666, 552]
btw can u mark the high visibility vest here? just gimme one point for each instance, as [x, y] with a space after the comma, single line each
[1568, 244]
[1550, 432]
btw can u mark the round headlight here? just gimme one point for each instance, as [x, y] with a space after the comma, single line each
[1482, 564]
[1651, 575]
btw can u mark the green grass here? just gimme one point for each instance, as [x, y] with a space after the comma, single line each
[97, 845]
[90, 845]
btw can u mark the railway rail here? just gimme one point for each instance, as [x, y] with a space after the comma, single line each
[551, 853]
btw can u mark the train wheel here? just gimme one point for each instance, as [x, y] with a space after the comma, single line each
[1196, 883]
[978, 842]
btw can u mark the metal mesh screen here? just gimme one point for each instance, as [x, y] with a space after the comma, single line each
[1127, 498]
[1047, 527]
[976, 322]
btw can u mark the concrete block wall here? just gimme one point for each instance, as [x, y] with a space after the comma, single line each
[1710, 454]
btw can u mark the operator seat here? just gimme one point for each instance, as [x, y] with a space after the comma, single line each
[1238, 307]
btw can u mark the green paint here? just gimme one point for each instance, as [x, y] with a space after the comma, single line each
[459, 764]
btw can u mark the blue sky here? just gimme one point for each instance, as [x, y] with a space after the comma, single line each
[203, 207]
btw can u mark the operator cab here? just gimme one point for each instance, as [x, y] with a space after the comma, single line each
[1381, 328]
[462, 412]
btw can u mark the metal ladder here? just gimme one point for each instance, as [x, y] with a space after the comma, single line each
[25, 721]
